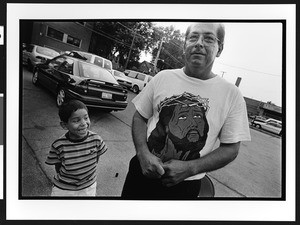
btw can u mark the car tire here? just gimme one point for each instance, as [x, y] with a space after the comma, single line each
[135, 89]
[35, 79]
[60, 97]
[258, 126]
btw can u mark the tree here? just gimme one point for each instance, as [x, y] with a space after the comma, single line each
[172, 48]
[122, 39]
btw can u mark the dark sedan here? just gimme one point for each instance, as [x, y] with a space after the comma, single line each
[72, 78]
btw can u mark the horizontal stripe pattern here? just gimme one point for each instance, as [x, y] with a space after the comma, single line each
[78, 161]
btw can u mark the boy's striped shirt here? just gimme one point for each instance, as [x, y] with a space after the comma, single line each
[78, 160]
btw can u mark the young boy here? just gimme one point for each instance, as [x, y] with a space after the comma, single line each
[75, 154]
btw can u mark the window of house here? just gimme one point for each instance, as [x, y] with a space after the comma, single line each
[58, 35]
[51, 32]
[73, 41]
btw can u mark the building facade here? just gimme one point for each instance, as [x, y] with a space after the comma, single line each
[60, 36]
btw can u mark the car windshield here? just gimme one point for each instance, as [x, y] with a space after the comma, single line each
[118, 74]
[98, 73]
[47, 51]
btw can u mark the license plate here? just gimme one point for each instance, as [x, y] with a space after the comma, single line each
[106, 95]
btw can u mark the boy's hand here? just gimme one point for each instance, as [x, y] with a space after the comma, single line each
[151, 165]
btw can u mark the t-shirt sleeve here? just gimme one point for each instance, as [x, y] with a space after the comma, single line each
[101, 147]
[143, 102]
[53, 156]
[236, 125]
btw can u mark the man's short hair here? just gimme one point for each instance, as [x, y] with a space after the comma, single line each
[66, 109]
[220, 32]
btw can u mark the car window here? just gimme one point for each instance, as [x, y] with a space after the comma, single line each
[67, 66]
[47, 51]
[96, 72]
[117, 73]
[141, 77]
[98, 61]
[107, 65]
[272, 123]
[55, 63]
[131, 74]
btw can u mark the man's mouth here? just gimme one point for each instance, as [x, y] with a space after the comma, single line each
[193, 135]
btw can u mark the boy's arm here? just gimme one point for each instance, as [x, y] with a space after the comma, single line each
[57, 167]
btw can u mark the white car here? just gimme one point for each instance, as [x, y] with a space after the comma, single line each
[138, 79]
[122, 79]
[271, 125]
[34, 54]
[92, 58]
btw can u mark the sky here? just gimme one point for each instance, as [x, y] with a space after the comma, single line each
[252, 51]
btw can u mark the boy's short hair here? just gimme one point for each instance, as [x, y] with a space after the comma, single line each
[66, 109]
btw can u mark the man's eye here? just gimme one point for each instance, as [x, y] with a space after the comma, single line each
[193, 38]
[182, 118]
[197, 116]
[209, 39]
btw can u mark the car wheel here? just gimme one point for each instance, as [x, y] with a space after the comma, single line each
[135, 89]
[29, 65]
[60, 97]
[35, 79]
[258, 126]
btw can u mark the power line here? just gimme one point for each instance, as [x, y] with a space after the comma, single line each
[270, 74]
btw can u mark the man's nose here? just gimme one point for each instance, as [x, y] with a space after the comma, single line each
[200, 41]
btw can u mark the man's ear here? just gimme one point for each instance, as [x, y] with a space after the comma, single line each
[63, 125]
[220, 49]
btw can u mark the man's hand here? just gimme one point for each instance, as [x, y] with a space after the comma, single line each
[175, 172]
[151, 165]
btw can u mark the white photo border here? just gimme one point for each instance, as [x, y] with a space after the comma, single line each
[146, 210]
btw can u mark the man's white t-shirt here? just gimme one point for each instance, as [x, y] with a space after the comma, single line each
[187, 116]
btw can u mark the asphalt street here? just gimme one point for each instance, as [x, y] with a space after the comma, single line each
[256, 172]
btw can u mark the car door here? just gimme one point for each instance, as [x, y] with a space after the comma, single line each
[48, 75]
[64, 73]
[271, 126]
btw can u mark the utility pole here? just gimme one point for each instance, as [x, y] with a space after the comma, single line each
[132, 43]
[223, 73]
[157, 55]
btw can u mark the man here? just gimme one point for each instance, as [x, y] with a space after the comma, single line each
[172, 156]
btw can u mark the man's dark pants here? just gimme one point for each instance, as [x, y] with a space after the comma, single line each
[138, 186]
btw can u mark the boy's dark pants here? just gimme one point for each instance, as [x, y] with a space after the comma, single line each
[138, 186]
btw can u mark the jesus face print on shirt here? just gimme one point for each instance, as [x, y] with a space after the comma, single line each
[181, 131]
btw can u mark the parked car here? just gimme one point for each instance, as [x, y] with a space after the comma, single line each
[34, 54]
[92, 58]
[271, 125]
[122, 79]
[139, 80]
[72, 78]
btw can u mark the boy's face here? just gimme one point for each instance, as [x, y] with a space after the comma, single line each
[78, 124]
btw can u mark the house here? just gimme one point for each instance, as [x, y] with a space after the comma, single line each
[260, 108]
[147, 68]
[60, 36]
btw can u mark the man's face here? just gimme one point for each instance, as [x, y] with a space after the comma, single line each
[187, 122]
[201, 46]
